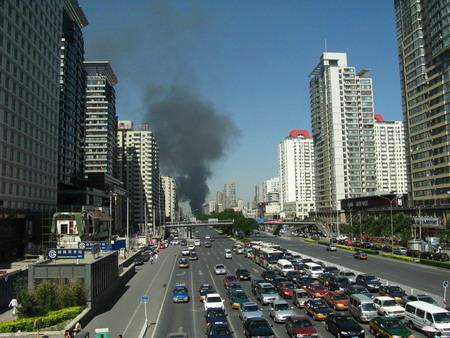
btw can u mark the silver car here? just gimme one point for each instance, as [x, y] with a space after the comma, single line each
[279, 310]
[266, 293]
[249, 310]
[350, 275]
[220, 269]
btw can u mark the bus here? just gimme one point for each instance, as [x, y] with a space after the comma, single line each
[267, 257]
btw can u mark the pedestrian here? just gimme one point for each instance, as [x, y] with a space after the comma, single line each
[13, 304]
[151, 259]
[156, 256]
[67, 334]
[119, 336]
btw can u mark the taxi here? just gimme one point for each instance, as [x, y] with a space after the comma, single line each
[304, 281]
[393, 291]
[337, 300]
[193, 256]
[204, 290]
[184, 263]
[237, 298]
[324, 278]
[180, 293]
[360, 255]
[389, 327]
[317, 308]
[316, 290]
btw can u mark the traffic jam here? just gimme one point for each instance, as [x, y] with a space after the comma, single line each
[295, 294]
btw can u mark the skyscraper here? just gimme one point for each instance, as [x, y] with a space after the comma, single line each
[101, 119]
[229, 195]
[296, 173]
[342, 119]
[169, 187]
[423, 41]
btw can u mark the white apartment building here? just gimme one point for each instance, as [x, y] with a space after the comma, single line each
[212, 206]
[169, 188]
[296, 172]
[101, 119]
[342, 120]
[391, 159]
[138, 161]
[272, 190]
[229, 195]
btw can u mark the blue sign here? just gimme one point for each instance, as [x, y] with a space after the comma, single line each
[144, 299]
[445, 284]
[65, 253]
[88, 245]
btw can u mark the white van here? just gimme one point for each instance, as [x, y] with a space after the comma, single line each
[362, 308]
[419, 314]
[283, 266]
[313, 270]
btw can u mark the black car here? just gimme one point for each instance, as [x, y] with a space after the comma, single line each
[255, 282]
[215, 314]
[183, 242]
[268, 275]
[304, 281]
[331, 269]
[258, 327]
[293, 275]
[219, 329]
[342, 325]
[441, 256]
[243, 274]
[337, 283]
[358, 290]
[207, 244]
[139, 260]
[370, 282]
[278, 279]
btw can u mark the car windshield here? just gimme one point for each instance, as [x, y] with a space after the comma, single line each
[220, 267]
[302, 323]
[396, 289]
[215, 313]
[316, 268]
[250, 308]
[349, 274]
[390, 302]
[220, 331]
[179, 290]
[345, 319]
[316, 287]
[288, 286]
[427, 299]
[441, 317]
[360, 289]
[394, 324]
[281, 307]
[213, 300]
[260, 325]
[269, 291]
[340, 296]
[270, 274]
[343, 280]
[371, 278]
[368, 307]
[239, 295]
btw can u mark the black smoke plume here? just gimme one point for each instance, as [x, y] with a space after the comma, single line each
[191, 135]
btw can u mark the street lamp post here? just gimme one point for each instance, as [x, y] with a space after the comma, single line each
[392, 222]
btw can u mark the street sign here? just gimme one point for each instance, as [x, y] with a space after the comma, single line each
[65, 253]
[445, 284]
[144, 299]
[88, 245]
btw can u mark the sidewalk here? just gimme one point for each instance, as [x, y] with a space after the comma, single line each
[7, 316]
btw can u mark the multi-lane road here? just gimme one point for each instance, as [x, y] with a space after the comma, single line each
[126, 314]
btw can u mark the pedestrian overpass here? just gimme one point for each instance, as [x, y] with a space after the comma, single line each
[190, 225]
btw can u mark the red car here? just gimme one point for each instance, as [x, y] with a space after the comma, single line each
[300, 326]
[348, 242]
[228, 279]
[286, 289]
[162, 246]
[316, 290]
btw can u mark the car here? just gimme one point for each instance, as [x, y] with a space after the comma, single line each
[249, 310]
[219, 329]
[324, 278]
[237, 298]
[360, 255]
[350, 275]
[183, 242]
[338, 283]
[300, 326]
[146, 256]
[228, 254]
[343, 325]
[193, 256]
[387, 306]
[175, 242]
[293, 275]
[204, 290]
[215, 314]
[421, 297]
[255, 282]
[400, 251]
[228, 279]
[389, 327]
[427, 255]
[208, 237]
[220, 269]
[184, 263]
[239, 250]
[441, 256]
[266, 292]
[279, 310]
[258, 327]
[331, 269]
[185, 252]
[331, 247]
[299, 297]
[318, 309]
[316, 290]
[370, 282]
[191, 247]
[278, 279]
[207, 244]
[337, 300]
[358, 290]
[304, 281]
[286, 289]
[393, 291]
[300, 267]
[180, 293]
[268, 275]
[139, 260]
[243, 274]
[197, 242]
[233, 286]
[163, 245]
[213, 300]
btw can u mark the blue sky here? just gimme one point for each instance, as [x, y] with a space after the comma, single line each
[249, 59]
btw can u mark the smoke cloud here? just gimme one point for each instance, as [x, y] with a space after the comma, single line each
[191, 135]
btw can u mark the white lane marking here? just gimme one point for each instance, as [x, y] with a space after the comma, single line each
[255, 269]
[181, 274]
[193, 304]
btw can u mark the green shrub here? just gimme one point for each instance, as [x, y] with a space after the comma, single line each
[323, 243]
[399, 257]
[52, 318]
[310, 240]
[445, 265]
